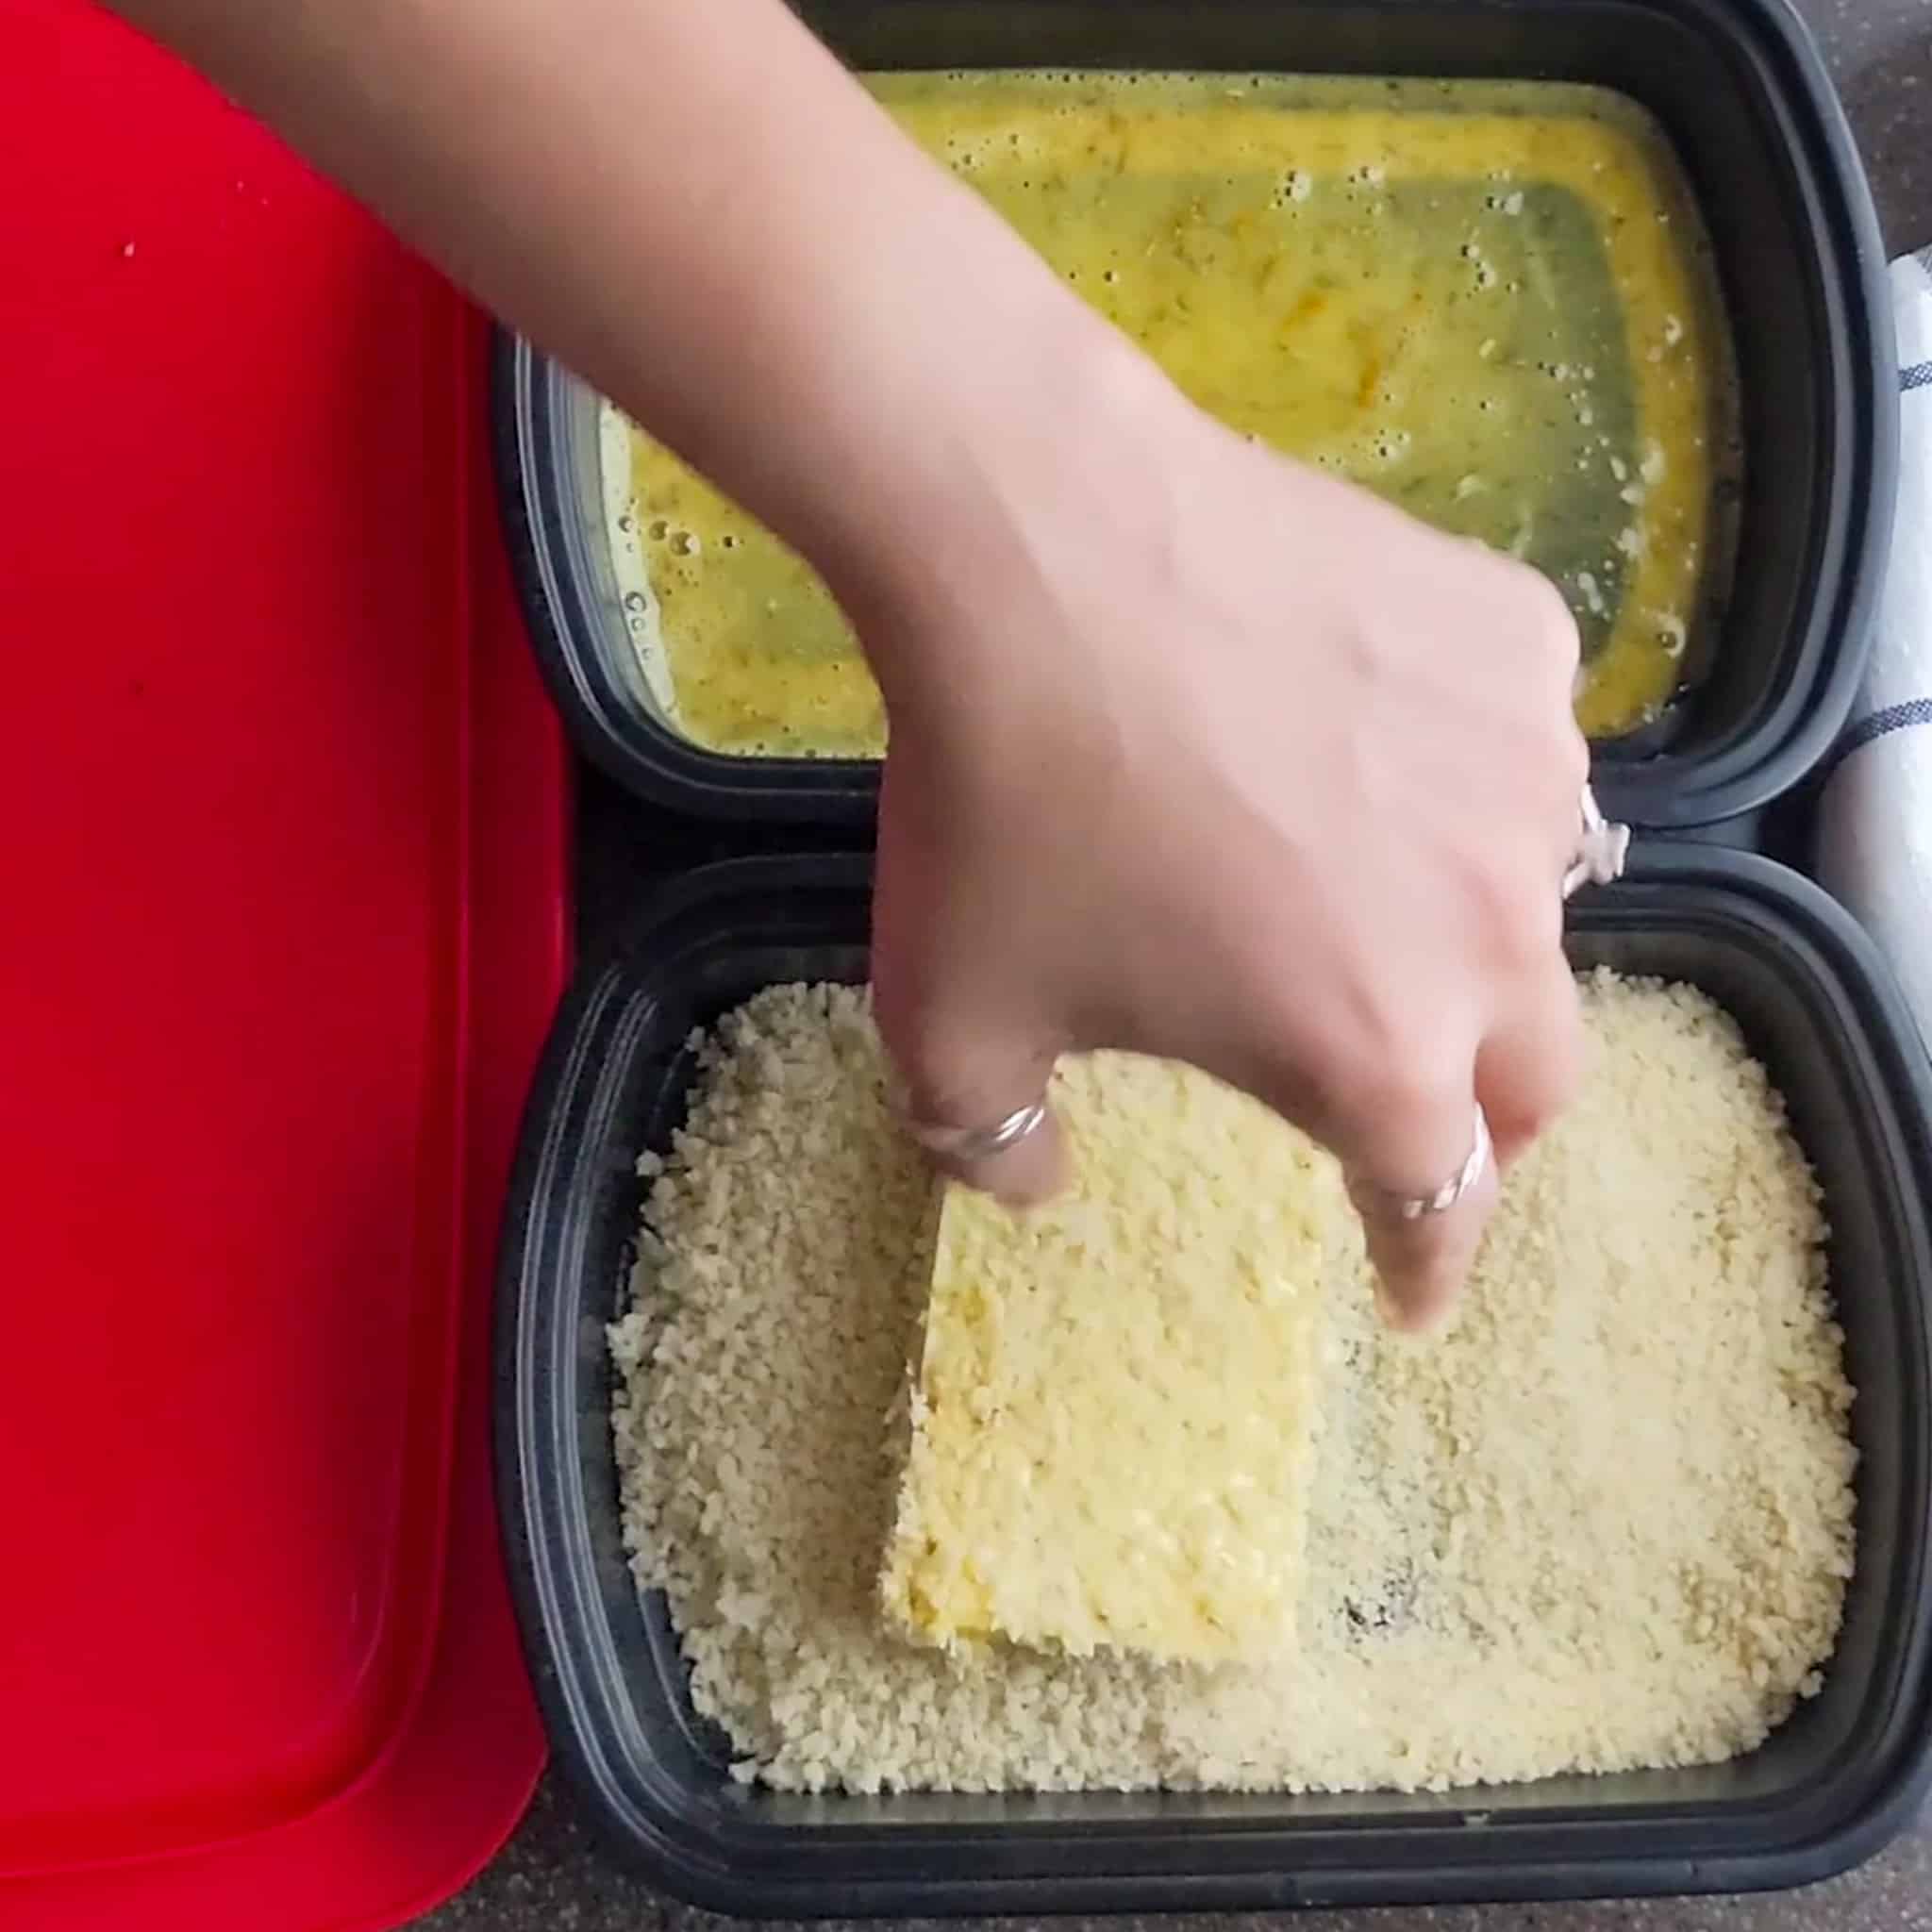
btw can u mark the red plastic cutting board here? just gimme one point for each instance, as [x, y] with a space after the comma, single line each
[282, 835]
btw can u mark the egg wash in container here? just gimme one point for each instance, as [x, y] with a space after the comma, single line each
[1490, 303]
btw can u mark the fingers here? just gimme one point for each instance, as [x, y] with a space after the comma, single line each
[1414, 1142]
[984, 1118]
[1423, 1265]
[1528, 1067]
[1420, 1139]
[968, 1088]
[954, 1011]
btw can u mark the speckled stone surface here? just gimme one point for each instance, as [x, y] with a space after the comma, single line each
[551, 1878]
[1881, 53]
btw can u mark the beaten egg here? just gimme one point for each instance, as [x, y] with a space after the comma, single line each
[1490, 303]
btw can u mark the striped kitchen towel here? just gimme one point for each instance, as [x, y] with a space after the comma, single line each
[1875, 823]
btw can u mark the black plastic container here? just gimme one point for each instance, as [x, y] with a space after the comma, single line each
[1742, 92]
[1825, 1790]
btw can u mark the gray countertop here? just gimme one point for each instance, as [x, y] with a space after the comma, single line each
[551, 1878]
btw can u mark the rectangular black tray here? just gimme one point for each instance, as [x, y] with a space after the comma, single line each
[1825, 1790]
[1741, 89]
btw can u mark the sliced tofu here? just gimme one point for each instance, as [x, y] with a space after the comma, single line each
[1111, 1421]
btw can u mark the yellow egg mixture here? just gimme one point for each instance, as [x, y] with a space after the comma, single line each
[1489, 302]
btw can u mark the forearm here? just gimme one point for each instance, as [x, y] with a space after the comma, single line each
[698, 210]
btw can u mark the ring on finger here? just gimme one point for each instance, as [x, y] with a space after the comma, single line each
[970, 1145]
[1388, 1203]
[1602, 847]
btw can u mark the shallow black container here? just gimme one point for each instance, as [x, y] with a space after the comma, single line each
[1825, 1790]
[1742, 92]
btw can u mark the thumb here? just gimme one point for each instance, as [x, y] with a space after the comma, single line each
[975, 1100]
[958, 1014]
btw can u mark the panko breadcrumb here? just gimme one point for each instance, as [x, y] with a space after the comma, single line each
[1604, 1522]
[1109, 1433]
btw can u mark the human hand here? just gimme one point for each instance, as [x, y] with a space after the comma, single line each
[1200, 753]
[1194, 752]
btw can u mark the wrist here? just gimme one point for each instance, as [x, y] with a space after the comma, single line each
[1033, 433]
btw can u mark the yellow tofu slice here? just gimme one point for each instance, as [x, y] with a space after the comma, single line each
[1112, 1424]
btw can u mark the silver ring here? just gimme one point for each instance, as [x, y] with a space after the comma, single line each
[1602, 847]
[971, 1145]
[1381, 1201]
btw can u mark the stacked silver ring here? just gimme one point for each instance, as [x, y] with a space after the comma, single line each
[1451, 1192]
[971, 1144]
[1602, 849]
[1376, 1203]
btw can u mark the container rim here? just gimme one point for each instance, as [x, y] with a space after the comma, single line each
[623, 740]
[1767, 755]
[734, 1861]
[1673, 785]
